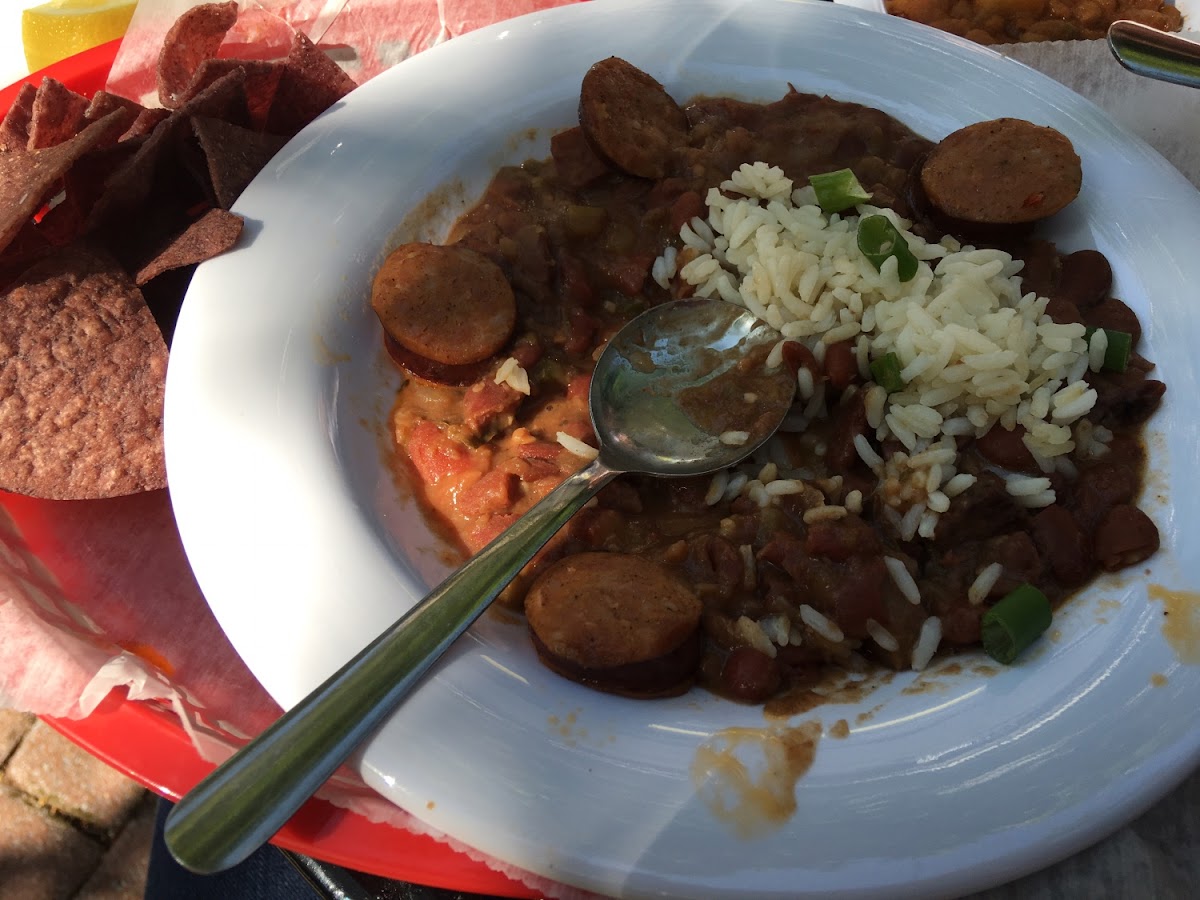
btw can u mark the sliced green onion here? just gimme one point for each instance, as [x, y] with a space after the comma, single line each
[838, 190]
[1014, 623]
[878, 239]
[886, 372]
[1120, 345]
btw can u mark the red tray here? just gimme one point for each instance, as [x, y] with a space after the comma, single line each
[150, 746]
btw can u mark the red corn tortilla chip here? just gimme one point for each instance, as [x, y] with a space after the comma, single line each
[311, 82]
[82, 379]
[193, 38]
[57, 114]
[28, 178]
[234, 156]
[212, 234]
[14, 128]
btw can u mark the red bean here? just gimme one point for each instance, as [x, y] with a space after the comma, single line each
[1007, 449]
[1042, 268]
[749, 675]
[686, 207]
[796, 356]
[1125, 538]
[1116, 316]
[1064, 545]
[1085, 278]
[841, 365]
[1063, 311]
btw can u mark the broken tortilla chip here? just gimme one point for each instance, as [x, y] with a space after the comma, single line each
[234, 156]
[193, 38]
[81, 376]
[210, 235]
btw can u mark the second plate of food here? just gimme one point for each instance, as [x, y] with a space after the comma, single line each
[310, 534]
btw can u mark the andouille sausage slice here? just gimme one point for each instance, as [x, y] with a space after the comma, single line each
[616, 622]
[629, 119]
[449, 304]
[427, 370]
[1003, 171]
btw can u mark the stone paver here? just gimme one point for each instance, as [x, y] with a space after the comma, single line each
[61, 775]
[71, 828]
[13, 726]
[122, 872]
[41, 856]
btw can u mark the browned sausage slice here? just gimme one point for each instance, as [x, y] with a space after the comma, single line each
[1004, 171]
[428, 370]
[449, 304]
[629, 118]
[616, 622]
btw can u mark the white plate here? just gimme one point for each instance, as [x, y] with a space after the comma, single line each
[277, 399]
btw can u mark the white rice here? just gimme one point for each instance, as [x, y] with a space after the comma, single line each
[805, 384]
[974, 349]
[1097, 347]
[823, 626]
[823, 514]
[511, 373]
[576, 446]
[867, 453]
[749, 567]
[903, 579]
[753, 635]
[927, 642]
[984, 582]
[734, 438]
[777, 628]
[882, 636]
[716, 488]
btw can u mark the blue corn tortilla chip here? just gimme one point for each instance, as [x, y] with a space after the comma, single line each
[311, 82]
[212, 234]
[14, 127]
[82, 378]
[57, 115]
[193, 38]
[29, 178]
[233, 155]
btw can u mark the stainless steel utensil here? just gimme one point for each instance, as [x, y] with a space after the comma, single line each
[1155, 54]
[647, 388]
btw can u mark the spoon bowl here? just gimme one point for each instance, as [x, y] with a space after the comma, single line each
[682, 389]
[674, 391]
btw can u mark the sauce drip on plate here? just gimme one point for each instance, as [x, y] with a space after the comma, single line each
[747, 776]
[1181, 621]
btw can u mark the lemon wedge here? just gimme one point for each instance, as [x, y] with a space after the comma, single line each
[62, 28]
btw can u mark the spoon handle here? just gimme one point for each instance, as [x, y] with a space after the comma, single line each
[238, 807]
[1155, 54]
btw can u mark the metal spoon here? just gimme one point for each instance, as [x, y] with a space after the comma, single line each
[681, 390]
[1155, 54]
